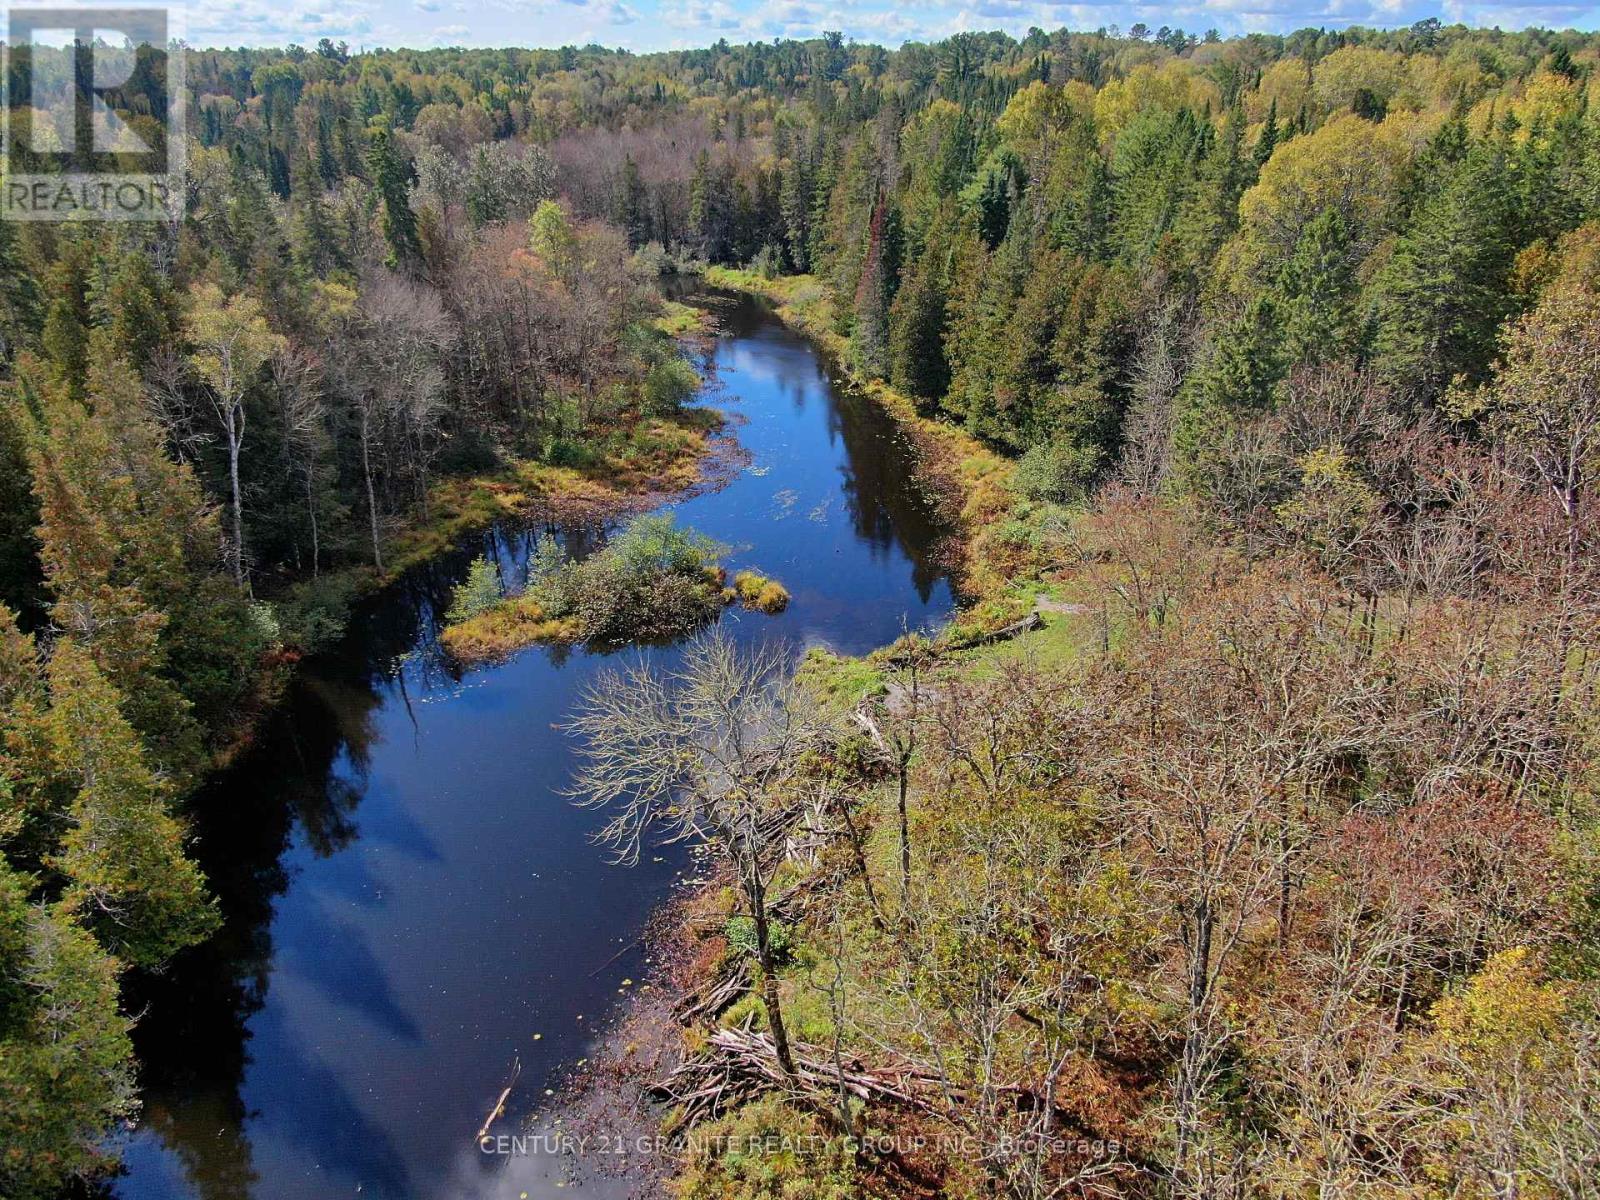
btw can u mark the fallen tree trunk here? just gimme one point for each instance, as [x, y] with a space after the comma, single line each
[1005, 633]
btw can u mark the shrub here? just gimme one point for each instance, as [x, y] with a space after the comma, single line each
[654, 543]
[653, 581]
[566, 452]
[768, 262]
[316, 611]
[475, 595]
[1057, 472]
[742, 937]
[669, 386]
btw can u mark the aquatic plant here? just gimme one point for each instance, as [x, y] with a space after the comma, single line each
[755, 591]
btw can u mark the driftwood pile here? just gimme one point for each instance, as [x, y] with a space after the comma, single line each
[739, 1065]
[708, 1002]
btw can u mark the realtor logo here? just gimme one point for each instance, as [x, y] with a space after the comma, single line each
[91, 115]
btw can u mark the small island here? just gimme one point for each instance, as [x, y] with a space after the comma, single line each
[652, 581]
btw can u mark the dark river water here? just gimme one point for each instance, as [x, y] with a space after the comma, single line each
[410, 899]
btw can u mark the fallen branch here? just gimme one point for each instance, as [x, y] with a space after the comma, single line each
[499, 1108]
[738, 1065]
[708, 1003]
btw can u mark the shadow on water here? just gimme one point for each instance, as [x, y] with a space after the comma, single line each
[410, 902]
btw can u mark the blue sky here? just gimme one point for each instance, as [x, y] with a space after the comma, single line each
[666, 24]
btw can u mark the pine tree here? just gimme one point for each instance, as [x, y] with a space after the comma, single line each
[399, 222]
[1236, 381]
[1318, 290]
[312, 240]
[629, 209]
[917, 362]
[66, 1060]
[65, 334]
[20, 311]
[128, 877]
[129, 550]
[133, 311]
[1267, 141]
[795, 204]
[1441, 297]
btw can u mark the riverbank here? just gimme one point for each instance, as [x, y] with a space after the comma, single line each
[633, 469]
[712, 1037]
[696, 1079]
[412, 905]
[969, 481]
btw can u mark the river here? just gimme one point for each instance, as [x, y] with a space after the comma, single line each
[410, 899]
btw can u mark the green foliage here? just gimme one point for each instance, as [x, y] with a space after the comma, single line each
[767, 1150]
[476, 594]
[1056, 472]
[669, 386]
[742, 938]
[1235, 381]
[129, 879]
[66, 1062]
[1442, 296]
[1319, 292]
[652, 580]
[399, 222]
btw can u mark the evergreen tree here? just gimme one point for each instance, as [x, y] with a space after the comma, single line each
[1267, 140]
[66, 1061]
[312, 239]
[1441, 297]
[795, 205]
[128, 877]
[628, 210]
[1318, 292]
[388, 174]
[20, 311]
[1235, 381]
[129, 549]
[917, 362]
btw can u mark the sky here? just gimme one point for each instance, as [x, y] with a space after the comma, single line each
[643, 25]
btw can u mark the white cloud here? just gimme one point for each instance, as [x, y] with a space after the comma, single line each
[657, 24]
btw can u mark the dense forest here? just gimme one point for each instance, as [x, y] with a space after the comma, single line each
[1272, 863]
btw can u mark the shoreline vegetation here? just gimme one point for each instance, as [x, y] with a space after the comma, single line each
[993, 549]
[651, 581]
[1240, 837]
[633, 467]
[967, 481]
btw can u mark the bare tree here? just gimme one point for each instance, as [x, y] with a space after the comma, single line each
[232, 344]
[709, 750]
[297, 378]
[396, 383]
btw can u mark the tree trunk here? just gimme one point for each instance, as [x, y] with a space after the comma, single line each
[311, 513]
[769, 978]
[905, 838]
[234, 441]
[1194, 1047]
[372, 503]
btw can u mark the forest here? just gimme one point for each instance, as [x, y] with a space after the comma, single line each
[1261, 379]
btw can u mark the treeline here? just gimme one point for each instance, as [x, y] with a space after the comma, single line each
[1242, 272]
[213, 433]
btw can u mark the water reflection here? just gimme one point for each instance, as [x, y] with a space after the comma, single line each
[409, 899]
